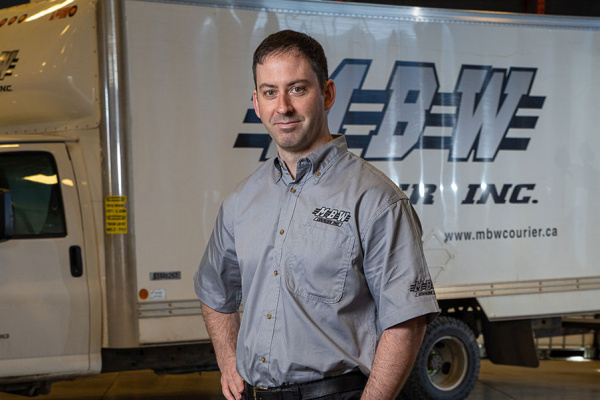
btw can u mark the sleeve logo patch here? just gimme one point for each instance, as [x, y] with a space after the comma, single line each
[422, 288]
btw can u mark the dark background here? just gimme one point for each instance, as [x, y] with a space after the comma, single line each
[587, 8]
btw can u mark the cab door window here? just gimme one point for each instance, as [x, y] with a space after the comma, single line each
[33, 181]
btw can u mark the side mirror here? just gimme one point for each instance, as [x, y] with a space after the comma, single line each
[6, 215]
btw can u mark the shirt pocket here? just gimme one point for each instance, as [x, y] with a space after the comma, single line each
[318, 263]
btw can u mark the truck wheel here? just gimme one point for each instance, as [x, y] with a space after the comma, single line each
[447, 365]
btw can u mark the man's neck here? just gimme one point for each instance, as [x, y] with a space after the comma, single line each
[291, 158]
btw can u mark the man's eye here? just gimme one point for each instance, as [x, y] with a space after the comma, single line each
[297, 89]
[269, 93]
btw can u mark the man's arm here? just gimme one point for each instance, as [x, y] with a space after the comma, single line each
[394, 358]
[223, 329]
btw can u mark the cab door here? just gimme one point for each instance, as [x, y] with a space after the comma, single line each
[44, 300]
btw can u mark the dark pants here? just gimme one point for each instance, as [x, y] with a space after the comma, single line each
[344, 387]
[352, 395]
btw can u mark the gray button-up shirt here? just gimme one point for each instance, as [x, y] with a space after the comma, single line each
[323, 263]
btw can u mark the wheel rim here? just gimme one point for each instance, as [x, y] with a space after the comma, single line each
[447, 363]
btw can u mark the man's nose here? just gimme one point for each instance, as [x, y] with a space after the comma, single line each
[285, 105]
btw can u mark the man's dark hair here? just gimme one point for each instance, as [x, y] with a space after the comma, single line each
[290, 41]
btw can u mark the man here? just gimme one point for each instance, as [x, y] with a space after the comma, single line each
[321, 247]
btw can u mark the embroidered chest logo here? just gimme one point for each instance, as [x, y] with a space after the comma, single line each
[422, 288]
[331, 216]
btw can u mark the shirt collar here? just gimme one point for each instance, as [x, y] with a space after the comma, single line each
[316, 163]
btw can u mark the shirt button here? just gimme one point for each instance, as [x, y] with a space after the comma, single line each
[275, 273]
[293, 190]
[269, 316]
[262, 359]
[281, 232]
[317, 173]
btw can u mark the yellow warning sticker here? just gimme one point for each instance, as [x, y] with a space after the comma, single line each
[115, 215]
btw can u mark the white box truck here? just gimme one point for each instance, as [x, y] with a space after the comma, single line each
[123, 124]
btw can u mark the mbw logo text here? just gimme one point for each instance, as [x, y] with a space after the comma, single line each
[486, 103]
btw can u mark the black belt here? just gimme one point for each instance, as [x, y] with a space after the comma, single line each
[310, 390]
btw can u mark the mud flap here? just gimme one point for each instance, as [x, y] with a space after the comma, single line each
[510, 342]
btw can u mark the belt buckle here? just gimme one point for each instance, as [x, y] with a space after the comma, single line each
[255, 388]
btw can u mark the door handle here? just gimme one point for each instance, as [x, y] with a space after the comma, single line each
[76, 261]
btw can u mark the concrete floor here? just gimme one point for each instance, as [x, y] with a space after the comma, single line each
[553, 380]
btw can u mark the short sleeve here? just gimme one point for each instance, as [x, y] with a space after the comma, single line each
[395, 266]
[217, 281]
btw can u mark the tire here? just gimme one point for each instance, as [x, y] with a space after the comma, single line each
[447, 365]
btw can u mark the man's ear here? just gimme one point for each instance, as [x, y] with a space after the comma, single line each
[329, 94]
[255, 101]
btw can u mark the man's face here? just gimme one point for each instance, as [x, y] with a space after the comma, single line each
[291, 104]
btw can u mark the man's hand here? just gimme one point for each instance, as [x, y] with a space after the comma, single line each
[223, 329]
[394, 358]
[232, 383]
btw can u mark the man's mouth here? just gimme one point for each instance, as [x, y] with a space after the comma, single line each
[285, 125]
